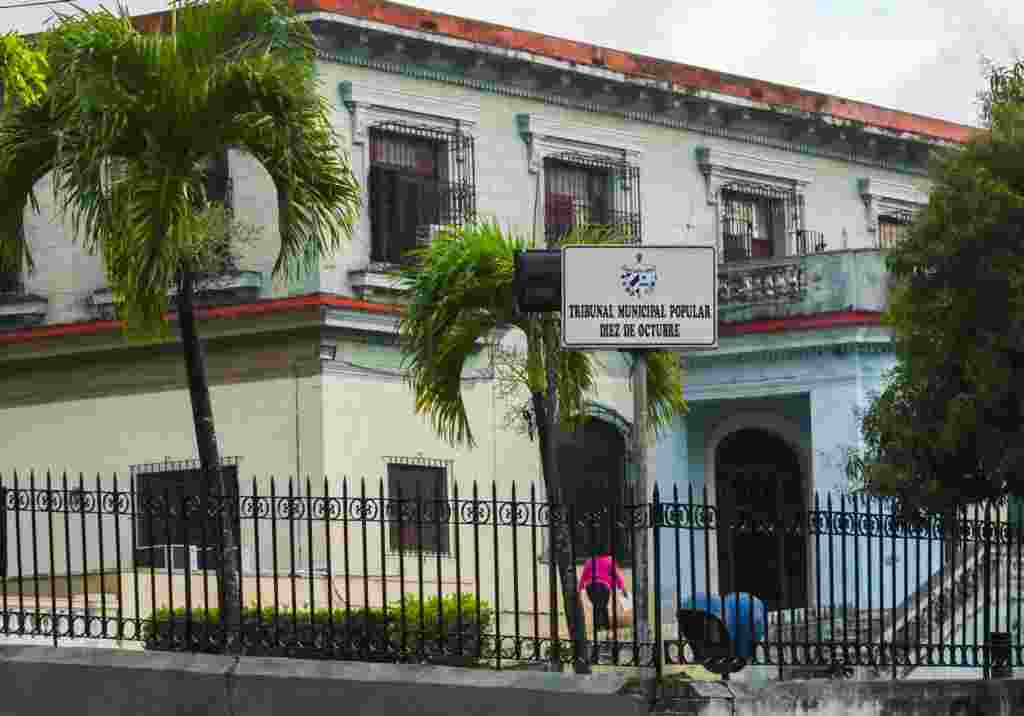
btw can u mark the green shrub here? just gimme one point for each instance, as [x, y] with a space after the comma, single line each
[437, 634]
[362, 634]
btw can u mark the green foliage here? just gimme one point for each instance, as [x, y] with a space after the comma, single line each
[442, 621]
[232, 74]
[949, 427]
[461, 295]
[24, 71]
[1005, 85]
[381, 632]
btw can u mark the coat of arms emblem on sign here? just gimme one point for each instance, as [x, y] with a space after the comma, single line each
[639, 279]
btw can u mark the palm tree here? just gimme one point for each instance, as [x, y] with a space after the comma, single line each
[127, 126]
[461, 293]
[22, 70]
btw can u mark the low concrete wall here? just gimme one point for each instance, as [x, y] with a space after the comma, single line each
[105, 682]
[845, 698]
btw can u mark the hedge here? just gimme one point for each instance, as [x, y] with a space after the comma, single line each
[362, 634]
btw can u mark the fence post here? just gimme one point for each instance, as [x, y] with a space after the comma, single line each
[658, 644]
[986, 599]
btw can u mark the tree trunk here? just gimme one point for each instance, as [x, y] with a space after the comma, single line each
[561, 553]
[548, 431]
[209, 460]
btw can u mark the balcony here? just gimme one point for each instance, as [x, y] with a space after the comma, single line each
[803, 285]
[223, 289]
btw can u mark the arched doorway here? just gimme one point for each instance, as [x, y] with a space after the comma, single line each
[592, 467]
[762, 542]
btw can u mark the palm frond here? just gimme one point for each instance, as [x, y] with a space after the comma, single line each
[665, 402]
[232, 74]
[461, 291]
[28, 148]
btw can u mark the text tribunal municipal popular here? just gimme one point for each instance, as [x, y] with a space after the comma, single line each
[631, 312]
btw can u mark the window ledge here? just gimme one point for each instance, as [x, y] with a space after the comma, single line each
[23, 305]
[378, 279]
[229, 284]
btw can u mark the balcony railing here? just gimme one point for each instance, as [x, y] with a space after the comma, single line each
[802, 285]
[745, 246]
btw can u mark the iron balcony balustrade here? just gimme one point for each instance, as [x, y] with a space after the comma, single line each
[802, 285]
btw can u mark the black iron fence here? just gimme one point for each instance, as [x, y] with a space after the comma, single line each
[368, 571]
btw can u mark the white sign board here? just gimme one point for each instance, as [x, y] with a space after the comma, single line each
[617, 297]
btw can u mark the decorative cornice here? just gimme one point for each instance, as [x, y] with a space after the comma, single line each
[881, 197]
[275, 305]
[776, 354]
[360, 321]
[351, 369]
[493, 87]
[408, 105]
[720, 167]
[893, 191]
[502, 43]
[819, 321]
[545, 136]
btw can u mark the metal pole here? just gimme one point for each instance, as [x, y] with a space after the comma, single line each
[641, 569]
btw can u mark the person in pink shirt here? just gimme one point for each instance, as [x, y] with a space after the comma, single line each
[600, 576]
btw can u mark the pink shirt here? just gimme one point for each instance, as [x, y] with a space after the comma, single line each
[603, 571]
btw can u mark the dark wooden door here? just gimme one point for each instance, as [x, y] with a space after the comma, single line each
[762, 543]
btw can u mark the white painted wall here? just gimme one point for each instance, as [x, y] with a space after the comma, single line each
[673, 190]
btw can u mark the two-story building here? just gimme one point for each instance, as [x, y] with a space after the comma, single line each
[447, 119]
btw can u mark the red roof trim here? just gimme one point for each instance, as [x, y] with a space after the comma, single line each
[775, 325]
[837, 319]
[275, 305]
[680, 75]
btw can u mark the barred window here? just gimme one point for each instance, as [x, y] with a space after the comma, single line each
[892, 228]
[218, 183]
[419, 177]
[167, 534]
[582, 190]
[755, 220]
[419, 518]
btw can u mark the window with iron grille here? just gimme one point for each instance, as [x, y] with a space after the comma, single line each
[419, 177]
[218, 184]
[584, 190]
[892, 228]
[756, 220]
[173, 517]
[419, 513]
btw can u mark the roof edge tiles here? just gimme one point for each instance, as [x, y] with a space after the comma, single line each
[680, 76]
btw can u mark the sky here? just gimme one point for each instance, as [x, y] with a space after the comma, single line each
[920, 56]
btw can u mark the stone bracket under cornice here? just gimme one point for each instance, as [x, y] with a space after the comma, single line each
[720, 167]
[881, 197]
[545, 136]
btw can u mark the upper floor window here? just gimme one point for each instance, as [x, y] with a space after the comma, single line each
[892, 228]
[419, 519]
[582, 190]
[756, 220]
[420, 177]
[218, 183]
[764, 221]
